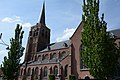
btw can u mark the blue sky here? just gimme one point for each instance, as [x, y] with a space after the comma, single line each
[62, 17]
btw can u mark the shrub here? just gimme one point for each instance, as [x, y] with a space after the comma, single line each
[51, 77]
[72, 77]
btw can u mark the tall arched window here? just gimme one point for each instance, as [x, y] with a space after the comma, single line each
[35, 58]
[41, 72]
[29, 72]
[33, 72]
[82, 64]
[56, 70]
[50, 55]
[45, 71]
[36, 71]
[21, 72]
[66, 70]
[50, 68]
[24, 71]
[43, 57]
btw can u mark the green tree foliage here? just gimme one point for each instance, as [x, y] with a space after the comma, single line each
[72, 77]
[11, 64]
[99, 52]
[51, 77]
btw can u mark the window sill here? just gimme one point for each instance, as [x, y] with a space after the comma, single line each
[84, 69]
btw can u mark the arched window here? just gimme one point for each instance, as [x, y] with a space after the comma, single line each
[29, 72]
[33, 72]
[66, 70]
[62, 71]
[35, 58]
[42, 57]
[36, 71]
[46, 57]
[50, 68]
[82, 64]
[56, 70]
[45, 71]
[41, 71]
[62, 54]
[39, 58]
[24, 71]
[54, 55]
[21, 72]
[50, 55]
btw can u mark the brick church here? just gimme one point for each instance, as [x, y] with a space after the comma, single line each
[60, 58]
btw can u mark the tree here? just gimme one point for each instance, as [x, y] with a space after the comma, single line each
[51, 77]
[99, 52]
[72, 77]
[11, 64]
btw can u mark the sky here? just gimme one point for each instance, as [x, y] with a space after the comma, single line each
[62, 17]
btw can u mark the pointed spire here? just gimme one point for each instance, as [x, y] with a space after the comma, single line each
[42, 19]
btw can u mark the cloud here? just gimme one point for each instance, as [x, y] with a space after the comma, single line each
[66, 34]
[16, 20]
[17, 17]
[11, 20]
[27, 25]
[2, 54]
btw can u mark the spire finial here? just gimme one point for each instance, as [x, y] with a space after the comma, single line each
[42, 19]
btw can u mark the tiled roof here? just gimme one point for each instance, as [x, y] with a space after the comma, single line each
[116, 32]
[57, 45]
[49, 61]
[46, 61]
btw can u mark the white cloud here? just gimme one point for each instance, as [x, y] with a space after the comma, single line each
[66, 34]
[17, 20]
[2, 54]
[27, 25]
[7, 19]
[11, 20]
[17, 17]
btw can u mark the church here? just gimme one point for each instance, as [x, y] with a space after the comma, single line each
[60, 58]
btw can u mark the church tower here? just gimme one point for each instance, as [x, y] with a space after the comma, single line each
[39, 37]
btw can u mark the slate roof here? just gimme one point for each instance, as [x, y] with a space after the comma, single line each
[57, 45]
[116, 32]
[48, 61]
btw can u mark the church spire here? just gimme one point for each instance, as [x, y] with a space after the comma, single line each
[42, 19]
